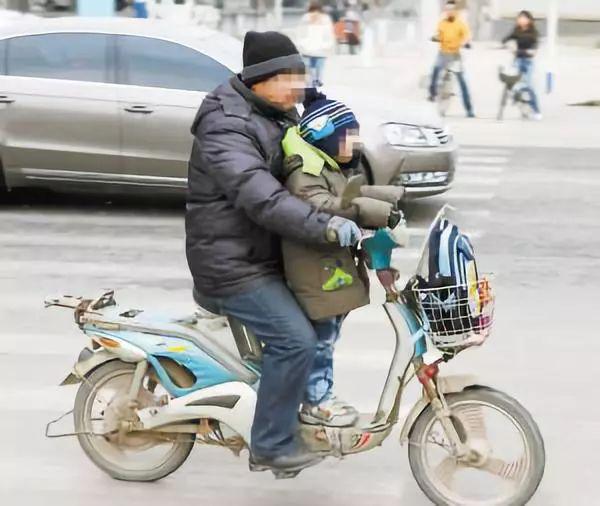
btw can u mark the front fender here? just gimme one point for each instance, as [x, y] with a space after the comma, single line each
[88, 361]
[447, 385]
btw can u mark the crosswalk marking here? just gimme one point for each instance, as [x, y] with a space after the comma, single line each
[484, 150]
[115, 219]
[485, 160]
[57, 399]
[453, 195]
[468, 179]
[154, 243]
[479, 169]
[422, 232]
[119, 270]
[475, 213]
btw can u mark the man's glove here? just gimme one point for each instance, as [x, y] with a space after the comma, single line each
[344, 232]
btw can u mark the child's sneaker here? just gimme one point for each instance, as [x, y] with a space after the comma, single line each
[331, 412]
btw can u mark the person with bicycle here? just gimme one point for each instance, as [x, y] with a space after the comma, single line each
[452, 33]
[526, 37]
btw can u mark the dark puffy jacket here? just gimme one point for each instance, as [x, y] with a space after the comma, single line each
[237, 208]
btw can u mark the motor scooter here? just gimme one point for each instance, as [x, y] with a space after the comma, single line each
[153, 386]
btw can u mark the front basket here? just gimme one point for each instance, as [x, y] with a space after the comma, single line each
[458, 315]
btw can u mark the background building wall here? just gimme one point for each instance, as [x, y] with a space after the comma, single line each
[584, 10]
[95, 7]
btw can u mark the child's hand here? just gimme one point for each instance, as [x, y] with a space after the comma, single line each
[292, 163]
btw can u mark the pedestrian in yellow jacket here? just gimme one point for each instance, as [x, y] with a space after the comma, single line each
[452, 33]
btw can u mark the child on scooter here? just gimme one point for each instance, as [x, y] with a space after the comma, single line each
[326, 280]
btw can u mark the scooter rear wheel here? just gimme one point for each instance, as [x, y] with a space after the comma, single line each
[138, 456]
[497, 471]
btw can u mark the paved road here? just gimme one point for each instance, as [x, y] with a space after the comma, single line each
[533, 215]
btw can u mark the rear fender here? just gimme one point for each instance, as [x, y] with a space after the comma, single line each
[447, 385]
[88, 361]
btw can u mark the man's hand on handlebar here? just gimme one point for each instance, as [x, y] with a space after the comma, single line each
[344, 232]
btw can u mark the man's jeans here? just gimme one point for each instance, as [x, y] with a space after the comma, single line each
[443, 60]
[270, 310]
[525, 66]
[320, 380]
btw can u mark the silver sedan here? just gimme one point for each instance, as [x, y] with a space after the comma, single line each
[107, 104]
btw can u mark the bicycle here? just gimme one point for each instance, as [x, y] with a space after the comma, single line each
[516, 91]
[447, 88]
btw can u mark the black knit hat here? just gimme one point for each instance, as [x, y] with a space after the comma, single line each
[266, 54]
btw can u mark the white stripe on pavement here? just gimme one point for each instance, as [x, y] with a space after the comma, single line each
[116, 219]
[475, 213]
[452, 195]
[61, 399]
[483, 160]
[483, 151]
[71, 240]
[480, 169]
[406, 253]
[120, 271]
[417, 232]
[468, 179]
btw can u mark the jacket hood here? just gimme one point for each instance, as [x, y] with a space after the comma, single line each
[223, 97]
[236, 99]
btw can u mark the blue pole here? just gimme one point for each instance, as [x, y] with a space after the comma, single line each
[552, 18]
[549, 82]
[96, 8]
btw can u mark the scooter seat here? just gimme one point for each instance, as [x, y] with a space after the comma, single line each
[139, 316]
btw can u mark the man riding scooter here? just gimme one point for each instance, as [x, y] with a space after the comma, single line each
[237, 211]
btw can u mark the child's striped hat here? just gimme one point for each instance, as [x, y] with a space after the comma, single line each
[325, 122]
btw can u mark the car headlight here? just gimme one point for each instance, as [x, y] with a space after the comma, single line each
[398, 134]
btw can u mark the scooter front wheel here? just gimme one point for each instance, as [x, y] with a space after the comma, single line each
[505, 459]
[101, 402]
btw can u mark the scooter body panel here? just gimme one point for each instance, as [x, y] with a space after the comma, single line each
[204, 365]
[231, 403]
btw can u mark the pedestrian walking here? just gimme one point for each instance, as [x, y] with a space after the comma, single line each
[316, 41]
[140, 8]
[453, 34]
[526, 36]
[349, 27]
